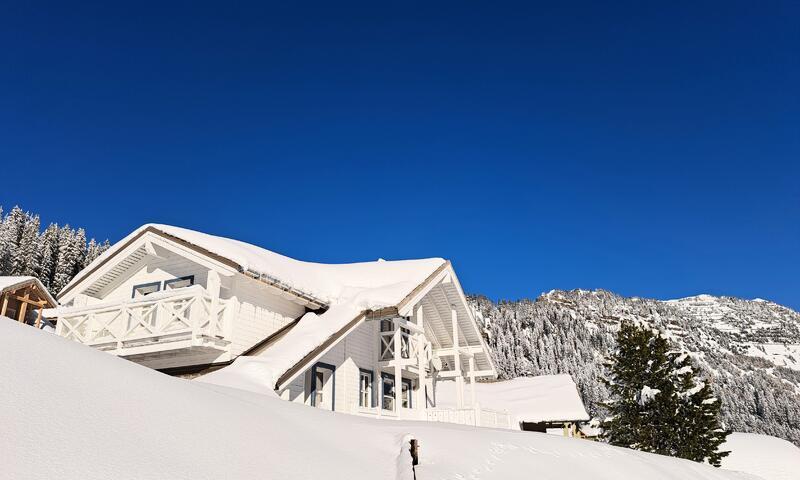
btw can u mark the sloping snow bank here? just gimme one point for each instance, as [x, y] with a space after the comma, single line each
[527, 399]
[70, 412]
[453, 452]
[769, 457]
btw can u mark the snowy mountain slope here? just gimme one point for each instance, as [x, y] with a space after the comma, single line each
[744, 346]
[71, 412]
[768, 457]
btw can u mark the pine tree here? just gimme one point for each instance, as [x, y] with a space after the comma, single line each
[11, 260]
[28, 251]
[701, 433]
[65, 259]
[657, 404]
[49, 255]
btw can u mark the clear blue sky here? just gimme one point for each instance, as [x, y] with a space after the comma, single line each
[648, 150]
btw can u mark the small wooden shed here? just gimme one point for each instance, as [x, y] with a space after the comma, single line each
[23, 299]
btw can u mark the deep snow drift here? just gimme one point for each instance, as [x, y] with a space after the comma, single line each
[70, 412]
[771, 458]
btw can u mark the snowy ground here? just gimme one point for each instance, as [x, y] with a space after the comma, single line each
[70, 412]
[768, 457]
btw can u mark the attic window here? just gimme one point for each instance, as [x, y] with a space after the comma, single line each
[145, 289]
[181, 282]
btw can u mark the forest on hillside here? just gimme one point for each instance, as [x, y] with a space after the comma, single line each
[54, 254]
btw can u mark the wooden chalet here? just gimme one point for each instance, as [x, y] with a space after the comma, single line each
[187, 303]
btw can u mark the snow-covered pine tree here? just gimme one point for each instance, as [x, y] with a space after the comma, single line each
[49, 254]
[11, 260]
[94, 250]
[658, 405]
[78, 247]
[65, 259]
[54, 256]
[700, 430]
[28, 251]
[643, 400]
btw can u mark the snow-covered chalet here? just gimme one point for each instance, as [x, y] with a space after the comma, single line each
[370, 338]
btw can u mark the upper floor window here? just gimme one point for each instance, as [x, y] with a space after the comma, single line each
[145, 289]
[181, 282]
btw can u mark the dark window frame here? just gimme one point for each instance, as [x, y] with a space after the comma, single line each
[179, 279]
[323, 366]
[150, 284]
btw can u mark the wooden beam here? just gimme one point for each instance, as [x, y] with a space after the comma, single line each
[38, 323]
[5, 305]
[27, 299]
[23, 308]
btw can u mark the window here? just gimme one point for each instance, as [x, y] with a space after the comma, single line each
[405, 348]
[179, 282]
[405, 393]
[145, 289]
[319, 388]
[365, 389]
[387, 325]
[388, 391]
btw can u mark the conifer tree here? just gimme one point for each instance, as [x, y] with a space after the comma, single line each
[49, 255]
[657, 404]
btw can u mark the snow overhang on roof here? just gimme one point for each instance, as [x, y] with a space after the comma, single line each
[324, 284]
[11, 283]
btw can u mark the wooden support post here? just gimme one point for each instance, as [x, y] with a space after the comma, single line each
[398, 369]
[472, 381]
[457, 359]
[422, 402]
[377, 381]
[39, 318]
[5, 305]
[23, 308]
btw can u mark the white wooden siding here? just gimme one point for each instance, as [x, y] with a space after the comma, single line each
[261, 313]
[149, 270]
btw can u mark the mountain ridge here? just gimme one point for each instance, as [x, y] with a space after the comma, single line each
[748, 349]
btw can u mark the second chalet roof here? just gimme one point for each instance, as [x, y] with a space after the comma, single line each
[389, 281]
[9, 283]
[546, 398]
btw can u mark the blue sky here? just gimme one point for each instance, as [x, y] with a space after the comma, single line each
[648, 150]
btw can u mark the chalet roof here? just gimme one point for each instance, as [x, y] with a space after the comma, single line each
[8, 283]
[389, 281]
[546, 398]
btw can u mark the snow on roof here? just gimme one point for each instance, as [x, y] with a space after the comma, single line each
[348, 289]
[110, 418]
[6, 282]
[768, 457]
[528, 399]
[10, 281]
[331, 283]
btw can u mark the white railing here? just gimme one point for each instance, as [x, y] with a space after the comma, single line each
[189, 314]
[478, 417]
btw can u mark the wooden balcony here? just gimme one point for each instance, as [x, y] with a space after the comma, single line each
[186, 318]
